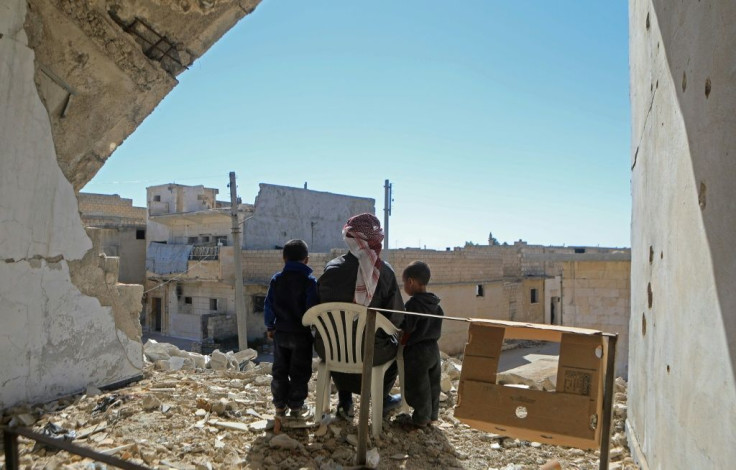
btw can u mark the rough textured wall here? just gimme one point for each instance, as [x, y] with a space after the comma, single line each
[99, 210]
[683, 322]
[96, 52]
[73, 85]
[56, 338]
[283, 213]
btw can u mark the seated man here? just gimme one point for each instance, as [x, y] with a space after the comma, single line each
[362, 277]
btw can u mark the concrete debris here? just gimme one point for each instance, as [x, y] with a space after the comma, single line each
[218, 360]
[372, 458]
[445, 384]
[246, 355]
[452, 368]
[206, 418]
[166, 357]
[283, 441]
[150, 403]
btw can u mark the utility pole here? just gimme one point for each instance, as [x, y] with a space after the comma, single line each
[388, 198]
[239, 296]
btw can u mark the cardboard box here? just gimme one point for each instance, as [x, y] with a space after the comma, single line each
[570, 416]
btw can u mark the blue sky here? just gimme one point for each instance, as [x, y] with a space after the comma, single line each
[487, 116]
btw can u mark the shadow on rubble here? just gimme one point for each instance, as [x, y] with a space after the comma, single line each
[334, 447]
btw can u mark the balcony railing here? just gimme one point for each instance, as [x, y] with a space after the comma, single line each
[205, 253]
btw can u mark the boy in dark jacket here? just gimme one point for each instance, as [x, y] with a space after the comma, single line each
[291, 293]
[422, 363]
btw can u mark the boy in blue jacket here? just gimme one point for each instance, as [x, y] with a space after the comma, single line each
[291, 293]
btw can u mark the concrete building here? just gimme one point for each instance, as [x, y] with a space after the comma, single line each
[572, 286]
[682, 388]
[283, 213]
[189, 262]
[122, 230]
[187, 224]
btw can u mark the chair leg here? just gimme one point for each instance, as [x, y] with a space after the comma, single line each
[377, 400]
[402, 383]
[323, 390]
[326, 397]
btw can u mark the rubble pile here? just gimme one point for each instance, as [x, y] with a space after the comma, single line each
[206, 412]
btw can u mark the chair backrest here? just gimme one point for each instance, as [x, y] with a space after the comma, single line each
[341, 326]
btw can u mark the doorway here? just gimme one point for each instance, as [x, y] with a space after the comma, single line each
[156, 313]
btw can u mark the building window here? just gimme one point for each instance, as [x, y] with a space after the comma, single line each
[192, 240]
[479, 290]
[213, 305]
[579, 250]
[259, 303]
[188, 300]
[534, 298]
[140, 234]
[157, 198]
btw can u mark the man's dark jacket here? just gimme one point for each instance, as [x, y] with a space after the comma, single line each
[337, 284]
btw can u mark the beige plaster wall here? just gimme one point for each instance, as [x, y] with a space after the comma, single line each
[683, 305]
[65, 322]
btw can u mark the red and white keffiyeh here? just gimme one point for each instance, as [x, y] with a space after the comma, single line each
[364, 236]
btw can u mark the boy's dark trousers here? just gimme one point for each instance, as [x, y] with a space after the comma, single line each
[292, 368]
[422, 372]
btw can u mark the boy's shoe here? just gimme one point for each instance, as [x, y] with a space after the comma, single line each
[280, 412]
[303, 413]
[345, 411]
[407, 424]
[391, 402]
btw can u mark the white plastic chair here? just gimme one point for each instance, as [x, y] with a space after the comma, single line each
[343, 353]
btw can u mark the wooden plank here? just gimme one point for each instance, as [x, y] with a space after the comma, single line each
[607, 402]
[539, 412]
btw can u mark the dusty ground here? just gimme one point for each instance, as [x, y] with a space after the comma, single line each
[217, 419]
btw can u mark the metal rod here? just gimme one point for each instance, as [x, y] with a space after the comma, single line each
[504, 323]
[442, 317]
[67, 446]
[66, 105]
[386, 212]
[10, 444]
[365, 386]
[607, 402]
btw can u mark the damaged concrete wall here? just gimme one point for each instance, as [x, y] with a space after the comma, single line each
[283, 213]
[104, 65]
[56, 339]
[683, 304]
[73, 85]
